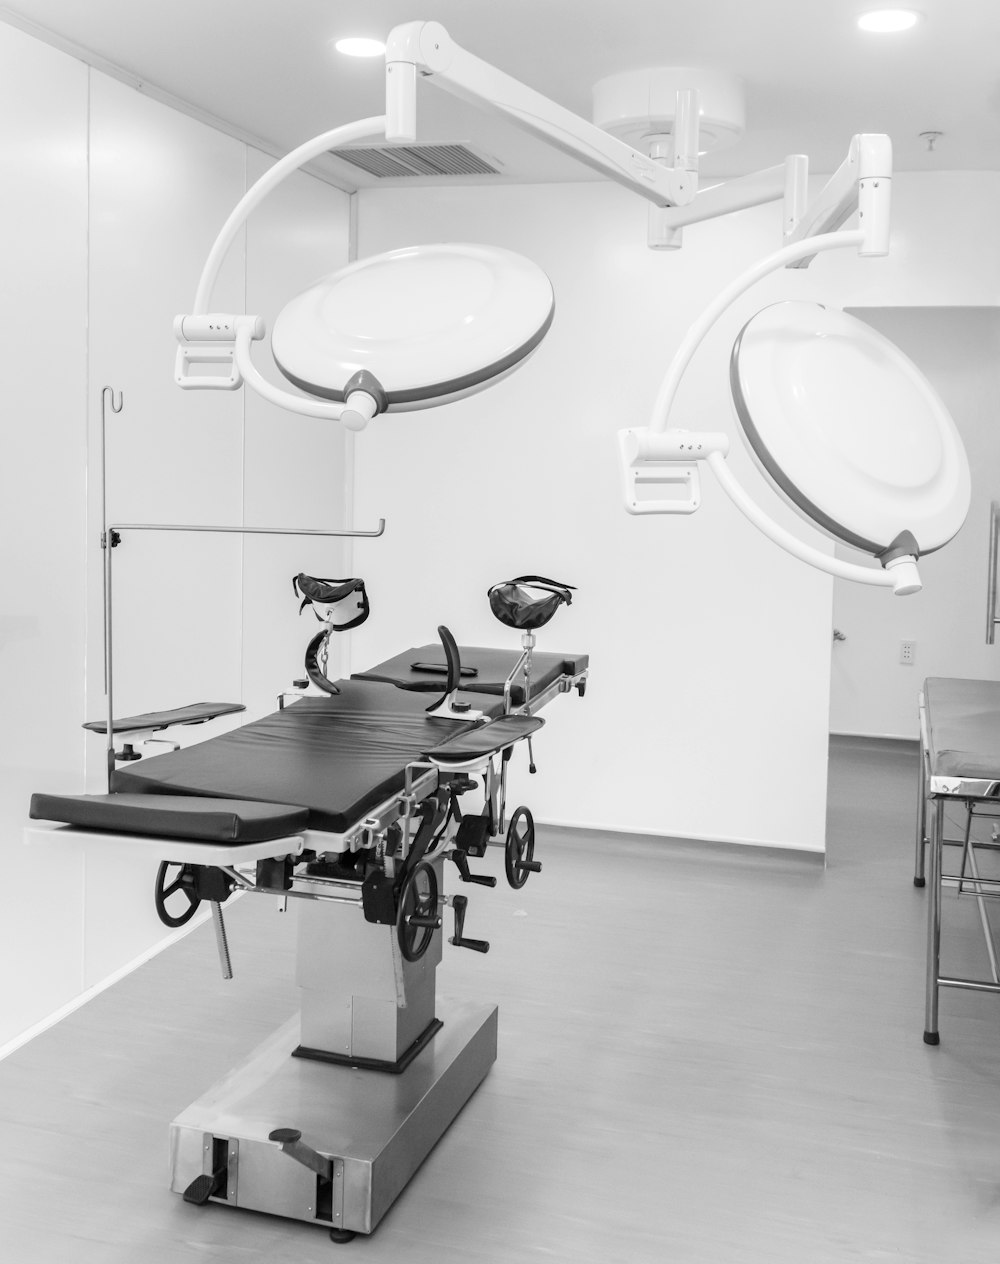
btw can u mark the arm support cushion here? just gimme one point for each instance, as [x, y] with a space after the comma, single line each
[486, 739]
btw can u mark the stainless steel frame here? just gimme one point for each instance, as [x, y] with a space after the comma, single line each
[991, 582]
[974, 796]
[376, 1129]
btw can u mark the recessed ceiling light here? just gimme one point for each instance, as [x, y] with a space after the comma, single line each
[887, 21]
[360, 46]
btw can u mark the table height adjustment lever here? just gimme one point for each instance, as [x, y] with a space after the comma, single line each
[460, 904]
[290, 1140]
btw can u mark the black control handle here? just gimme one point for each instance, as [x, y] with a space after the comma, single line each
[460, 903]
[480, 879]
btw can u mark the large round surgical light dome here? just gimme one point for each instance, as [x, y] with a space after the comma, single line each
[430, 323]
[848, 428]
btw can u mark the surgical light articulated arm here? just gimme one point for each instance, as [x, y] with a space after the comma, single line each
[222, 341]
[426, 49]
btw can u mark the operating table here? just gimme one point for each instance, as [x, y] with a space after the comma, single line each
[348, 803]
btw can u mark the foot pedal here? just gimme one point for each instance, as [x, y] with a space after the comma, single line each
[203, 1187]
[473, 835]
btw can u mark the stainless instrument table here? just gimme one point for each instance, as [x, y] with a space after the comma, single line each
[959, 763]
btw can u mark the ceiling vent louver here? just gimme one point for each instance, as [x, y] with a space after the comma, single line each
[394, 162]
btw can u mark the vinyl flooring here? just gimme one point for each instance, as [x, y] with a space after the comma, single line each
[707, 1056]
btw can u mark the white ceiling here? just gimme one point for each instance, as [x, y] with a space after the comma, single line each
[267, 69]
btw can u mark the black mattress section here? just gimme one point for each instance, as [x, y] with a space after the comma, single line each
[339, 756]
[171, 816]
[491, 667]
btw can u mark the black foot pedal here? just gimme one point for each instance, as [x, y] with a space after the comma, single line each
[473, 835]
[203, 1187]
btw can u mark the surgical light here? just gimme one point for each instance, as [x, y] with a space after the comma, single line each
[360, 46]
[888, 21]
[413, 327]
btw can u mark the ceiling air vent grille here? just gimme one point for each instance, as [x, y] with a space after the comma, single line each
[394, 162]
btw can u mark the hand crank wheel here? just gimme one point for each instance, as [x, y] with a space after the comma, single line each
[166, 887]
[520, 848]
[417, 918]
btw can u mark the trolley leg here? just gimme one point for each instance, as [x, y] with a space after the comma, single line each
[918, 866]
[931, 1036]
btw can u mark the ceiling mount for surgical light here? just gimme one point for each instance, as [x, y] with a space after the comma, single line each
[640, 106]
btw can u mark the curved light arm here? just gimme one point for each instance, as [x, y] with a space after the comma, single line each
[355, 413]
[696, 334]
[257, 192]
[901, 576]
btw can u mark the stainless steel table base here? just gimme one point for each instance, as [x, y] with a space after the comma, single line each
[376, 1127]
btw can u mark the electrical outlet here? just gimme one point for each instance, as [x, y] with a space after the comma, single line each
[907, 652]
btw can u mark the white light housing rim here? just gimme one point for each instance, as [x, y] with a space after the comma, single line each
[430, 323]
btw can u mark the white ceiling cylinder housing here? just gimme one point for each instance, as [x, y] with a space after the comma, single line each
[639, 105]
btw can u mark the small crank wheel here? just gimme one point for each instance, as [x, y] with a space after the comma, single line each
[519, 851]
[417, 918]
[186, 903]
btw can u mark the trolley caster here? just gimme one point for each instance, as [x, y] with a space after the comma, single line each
[342, 1235]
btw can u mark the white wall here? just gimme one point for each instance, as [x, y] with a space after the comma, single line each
[108, 252]
[872, 692]
[945, 258]
[708, 710]
[295, 467]
[43, 335]
[706, 714]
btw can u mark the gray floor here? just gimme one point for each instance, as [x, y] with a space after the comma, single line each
[705, 1056]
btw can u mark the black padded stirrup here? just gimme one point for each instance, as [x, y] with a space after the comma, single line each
[328, 592]
[312, 665]
[529, 601]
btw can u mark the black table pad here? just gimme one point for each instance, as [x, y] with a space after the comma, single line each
[172, 816]
[338, 756]
[492, 668]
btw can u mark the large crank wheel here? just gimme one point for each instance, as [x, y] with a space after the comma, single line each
[519, 850]
[176, 886]
[417, 918]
